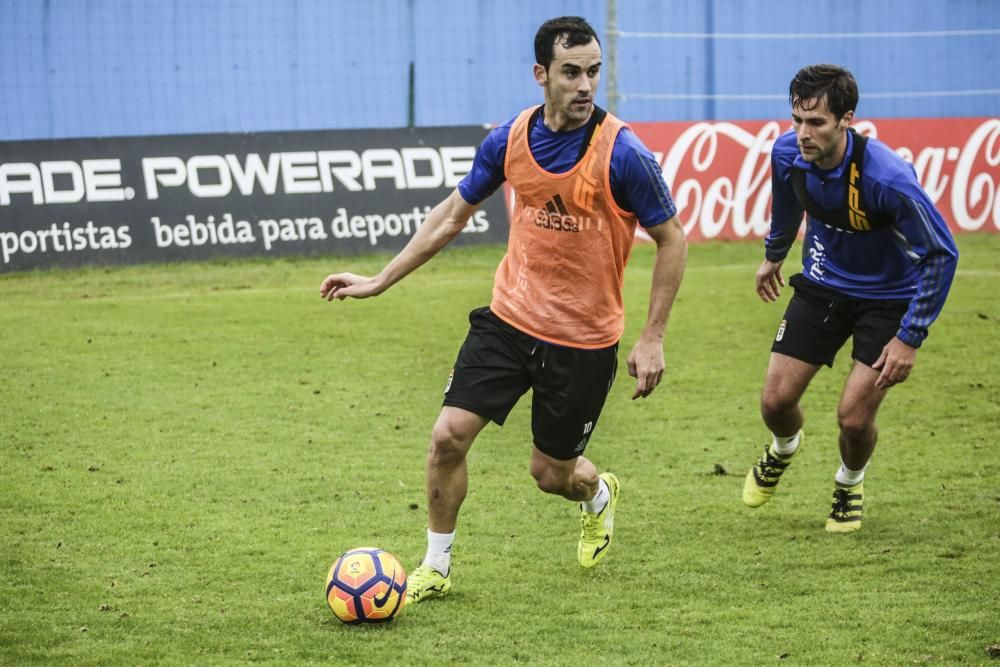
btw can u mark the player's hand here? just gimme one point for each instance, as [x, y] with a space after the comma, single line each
[769, 281]
[343, 285]
[895, 362]
[645, 363]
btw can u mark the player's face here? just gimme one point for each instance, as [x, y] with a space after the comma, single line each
[821, 136]
[570, 85]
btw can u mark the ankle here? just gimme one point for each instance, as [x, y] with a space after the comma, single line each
[847, 477]
[785, 446]
[600, 500]
[438, 554]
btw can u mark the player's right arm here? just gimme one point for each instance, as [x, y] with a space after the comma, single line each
[769, 280]
[786, 218]
[442, 224]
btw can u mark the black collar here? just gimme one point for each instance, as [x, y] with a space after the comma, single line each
[596, 118]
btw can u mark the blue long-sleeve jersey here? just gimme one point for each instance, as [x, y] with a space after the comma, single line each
[914, 258]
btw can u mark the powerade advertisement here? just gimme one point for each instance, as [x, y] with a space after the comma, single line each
[129, 200]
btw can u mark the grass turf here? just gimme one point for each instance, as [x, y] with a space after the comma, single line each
[187, 448]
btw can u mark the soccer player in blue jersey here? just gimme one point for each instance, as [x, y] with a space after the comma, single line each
[878, 261]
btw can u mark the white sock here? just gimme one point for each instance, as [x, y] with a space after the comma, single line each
[786, 446]
[600, 499]
[439, 551]
[847, 477]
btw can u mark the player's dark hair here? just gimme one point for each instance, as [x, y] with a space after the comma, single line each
[569, 31]
[815, 82]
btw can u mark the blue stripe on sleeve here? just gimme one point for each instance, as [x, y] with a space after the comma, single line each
[937, 270]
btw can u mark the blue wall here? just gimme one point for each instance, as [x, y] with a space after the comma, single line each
[884, 60]
[71, 68]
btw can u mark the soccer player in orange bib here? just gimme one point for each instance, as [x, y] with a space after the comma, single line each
[582, 182]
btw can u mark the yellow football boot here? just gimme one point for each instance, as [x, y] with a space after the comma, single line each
[595, 537]
[848, 503]
[763, 478]
[425, 582]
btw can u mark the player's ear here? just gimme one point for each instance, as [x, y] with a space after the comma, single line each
[846, 120]
[541, 76]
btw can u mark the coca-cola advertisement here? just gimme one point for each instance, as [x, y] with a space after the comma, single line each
[720, 172]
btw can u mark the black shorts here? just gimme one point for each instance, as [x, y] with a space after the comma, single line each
[818, 321]
[498, 364]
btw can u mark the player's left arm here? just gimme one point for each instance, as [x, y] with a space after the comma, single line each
[928, 241]
[645, 361]
[638, 186]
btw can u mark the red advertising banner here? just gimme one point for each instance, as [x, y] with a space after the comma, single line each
[720, 173]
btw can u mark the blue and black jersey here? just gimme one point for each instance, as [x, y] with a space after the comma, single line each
[912, 257]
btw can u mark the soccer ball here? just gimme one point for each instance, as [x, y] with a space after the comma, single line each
[366, 585]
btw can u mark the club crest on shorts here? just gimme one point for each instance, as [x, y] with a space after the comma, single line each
[781, 331]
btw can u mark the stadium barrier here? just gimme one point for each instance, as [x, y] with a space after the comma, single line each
[80, 202]
[131, 200]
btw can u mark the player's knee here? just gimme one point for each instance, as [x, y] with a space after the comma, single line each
[854, 425]
[774, 405]
[549, 480]
[448, 444]
[551, 485]
[544, 479]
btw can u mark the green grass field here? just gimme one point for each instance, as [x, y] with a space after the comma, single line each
[187, 448]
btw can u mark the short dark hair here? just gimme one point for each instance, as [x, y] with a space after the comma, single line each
[569, 31]
[832, 81]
